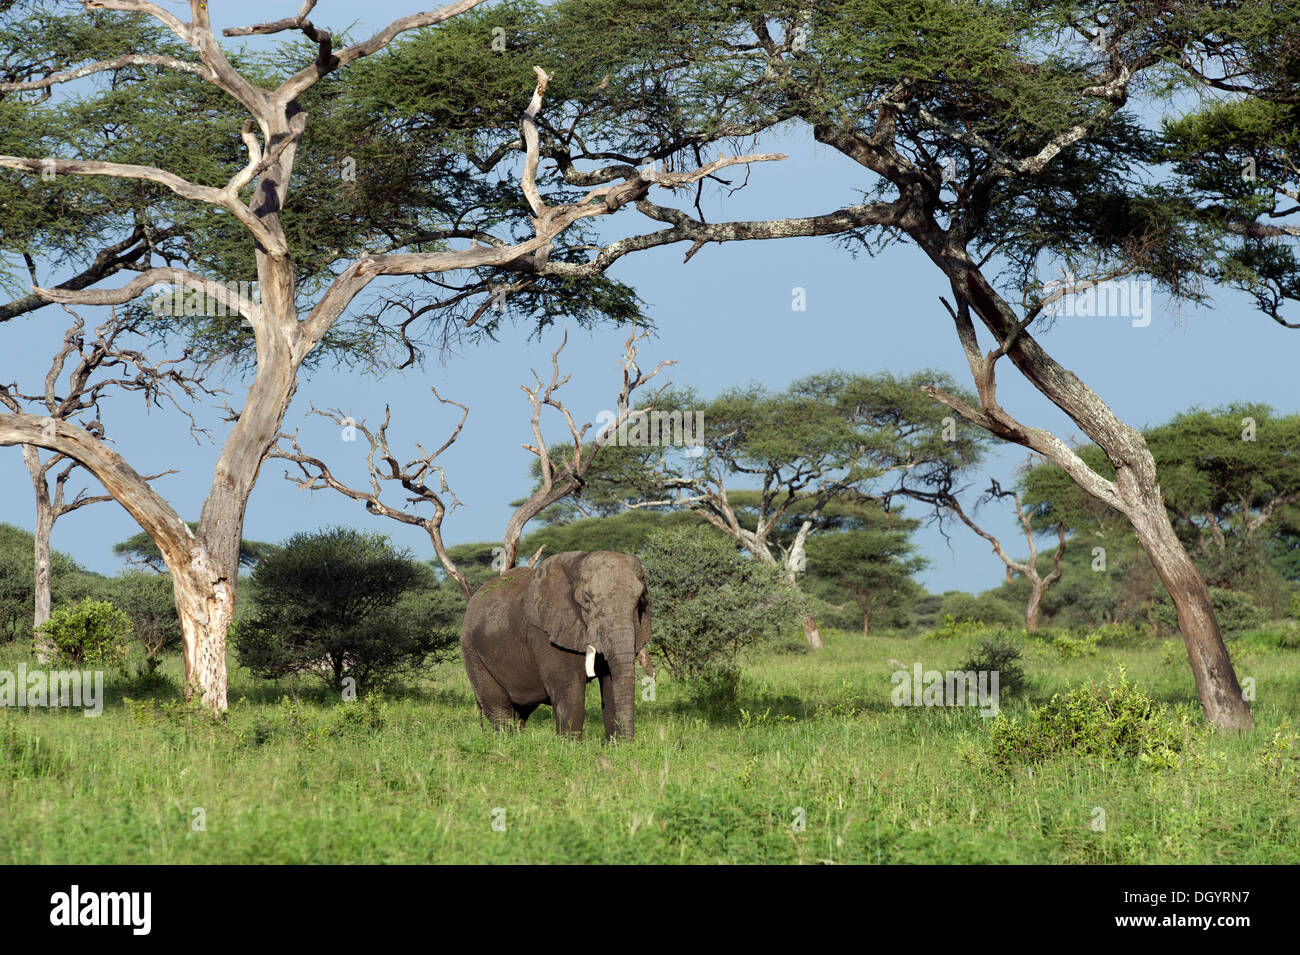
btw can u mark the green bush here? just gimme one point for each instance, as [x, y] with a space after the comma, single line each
[149, 602]
[952, 628]
[709, 602]
[341, 604]
[1000, 655]
[90, 633]
[982, 609]
[1070, 647]
[1115, 720]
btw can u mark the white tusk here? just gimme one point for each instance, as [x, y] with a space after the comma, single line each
[591, 660]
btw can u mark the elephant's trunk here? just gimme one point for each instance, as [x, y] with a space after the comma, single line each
[620, 718]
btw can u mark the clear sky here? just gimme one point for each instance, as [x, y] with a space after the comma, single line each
[725, 316]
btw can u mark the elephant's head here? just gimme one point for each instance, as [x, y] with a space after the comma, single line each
[596, 604]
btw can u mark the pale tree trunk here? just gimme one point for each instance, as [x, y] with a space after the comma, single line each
[44, 527]
[866, 625]
[205, 603]
[813, 633]
[1036, 589]
[45, 518]
[794, 563]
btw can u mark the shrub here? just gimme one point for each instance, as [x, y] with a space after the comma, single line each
[1102, 721]
[953, 628]
[90, 633]
[341, 604]
[1070, 647]
[983, 609]
[1000, 655]
[709, 603]
[148, 601]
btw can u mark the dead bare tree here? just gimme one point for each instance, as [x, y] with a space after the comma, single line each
[204, 563]
[1038, 584]
[559, 478]
[83, 370]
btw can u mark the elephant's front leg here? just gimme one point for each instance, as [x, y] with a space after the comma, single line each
[570, 704]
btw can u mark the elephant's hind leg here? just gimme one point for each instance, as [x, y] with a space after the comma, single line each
[493, 701]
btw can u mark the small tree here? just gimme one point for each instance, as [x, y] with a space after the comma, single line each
[330, 604]
[874, 566]
[711, 602]
[828, 441]
[147, 601]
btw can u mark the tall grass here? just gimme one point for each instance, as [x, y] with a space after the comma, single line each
[812, 764]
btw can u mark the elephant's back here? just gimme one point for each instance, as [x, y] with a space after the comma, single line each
[496, 604]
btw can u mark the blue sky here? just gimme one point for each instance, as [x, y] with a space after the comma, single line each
[725, 316]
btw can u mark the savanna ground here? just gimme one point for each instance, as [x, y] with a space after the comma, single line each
[413, 778]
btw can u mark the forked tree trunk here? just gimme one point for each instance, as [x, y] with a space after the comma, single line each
[1036, 589]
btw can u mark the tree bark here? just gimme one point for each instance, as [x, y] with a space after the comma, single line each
[866, 626]
[43, 645]
[1216, 681]
[205, 603]
[813, 633]
[1031, 610]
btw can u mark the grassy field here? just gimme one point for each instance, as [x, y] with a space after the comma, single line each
[414, 778]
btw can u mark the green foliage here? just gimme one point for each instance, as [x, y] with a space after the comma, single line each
[952, 629]
[1000, 655]
[69, 582]
[626, 533]
[1099, 721]
[709, 603]
[141, 549]
[1070, 647]
[873, 568]
[91, 633]
[339, 604]
[368, 714]
[149, 602]
[986, 608]
[886, 781]
[1227, 475]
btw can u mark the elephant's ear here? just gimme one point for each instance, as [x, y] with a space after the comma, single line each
[551, 606]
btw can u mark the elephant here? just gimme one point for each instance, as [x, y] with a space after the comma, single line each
[538, 635]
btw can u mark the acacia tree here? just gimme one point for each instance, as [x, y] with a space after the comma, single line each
[991, 137]
[204, 563]
[829, 439]
[870, 558]
[1039, 583]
